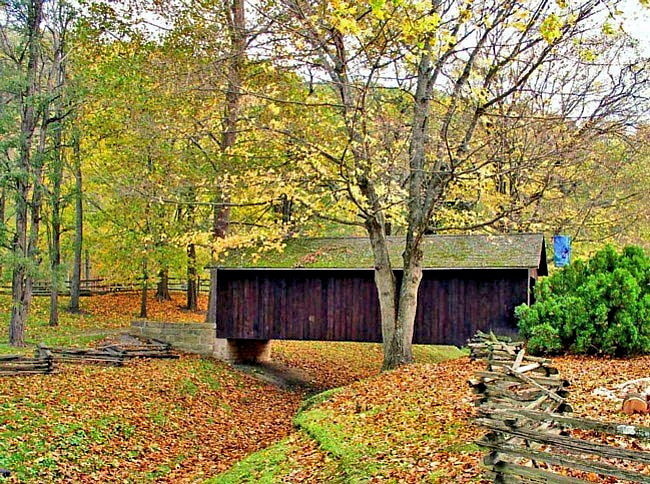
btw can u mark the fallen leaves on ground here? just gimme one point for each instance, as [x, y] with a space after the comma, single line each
[163, 420]
[298, 458]
[585, 375]
[122, 308]
[413, 424]
[182, 420]
[588, 373]
[409, 425]
[334, 364]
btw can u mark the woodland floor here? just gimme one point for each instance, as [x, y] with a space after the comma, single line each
[195, 418]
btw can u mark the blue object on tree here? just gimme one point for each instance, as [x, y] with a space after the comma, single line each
[562, 250]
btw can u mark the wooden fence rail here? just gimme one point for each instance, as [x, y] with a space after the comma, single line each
[12, 365]
[111, 354]
[116, 354]
[90, 287]
[532, 434]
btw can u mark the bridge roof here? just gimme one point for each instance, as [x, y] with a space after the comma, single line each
[511, 251]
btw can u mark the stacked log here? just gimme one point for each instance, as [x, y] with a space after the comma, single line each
[535, 446]
[132, 347]
[111, 354]
[13, 365]
[84, 355]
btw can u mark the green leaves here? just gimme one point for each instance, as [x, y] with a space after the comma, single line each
[601, 306]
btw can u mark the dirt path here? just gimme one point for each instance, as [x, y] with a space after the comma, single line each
[282, 376]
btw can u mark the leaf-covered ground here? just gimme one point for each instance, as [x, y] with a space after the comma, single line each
[588, 373]
[165, 420]
[333, 364]
[413, 425]
[409, 425]
[194, 418]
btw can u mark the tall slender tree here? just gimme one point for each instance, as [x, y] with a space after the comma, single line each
[62, 16]
[75, 282]
[28, 20]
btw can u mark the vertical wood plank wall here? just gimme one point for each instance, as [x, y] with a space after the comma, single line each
[342, 305]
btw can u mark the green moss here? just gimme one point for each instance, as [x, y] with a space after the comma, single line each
[260, 467]
[437, 353]
[317, 399]
[354, 458]
[448, 251]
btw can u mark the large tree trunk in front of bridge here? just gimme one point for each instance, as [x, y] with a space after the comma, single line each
[398, 302]
[398, 350]
[392, 336]
[408, 301]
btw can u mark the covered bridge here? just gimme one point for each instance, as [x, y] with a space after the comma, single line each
[323, 289]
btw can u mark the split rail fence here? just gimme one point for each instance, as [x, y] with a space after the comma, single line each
[90, 287]
[12, 365]
[113, 354]
[46, 357]
[532, 434]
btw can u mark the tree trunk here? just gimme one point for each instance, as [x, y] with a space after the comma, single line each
[20, 284]
[237, 32]
[21, 280]
[55, 253]
[75, 288]
[55, 245]
[145, 284]
[162, 290]
[3, 204]
[399, 351]
[58, 68]
[220, 219]
[386, 292]
[408, 303]
[87, 272]
[192, 288]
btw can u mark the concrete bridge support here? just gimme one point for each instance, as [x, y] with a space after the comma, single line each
[242, 350]
[201, 338]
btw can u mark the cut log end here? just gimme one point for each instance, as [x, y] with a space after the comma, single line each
[635, 403]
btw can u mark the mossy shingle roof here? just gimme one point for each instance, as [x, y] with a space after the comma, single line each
[440, 252]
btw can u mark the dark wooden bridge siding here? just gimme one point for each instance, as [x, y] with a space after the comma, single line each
[342, 305]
